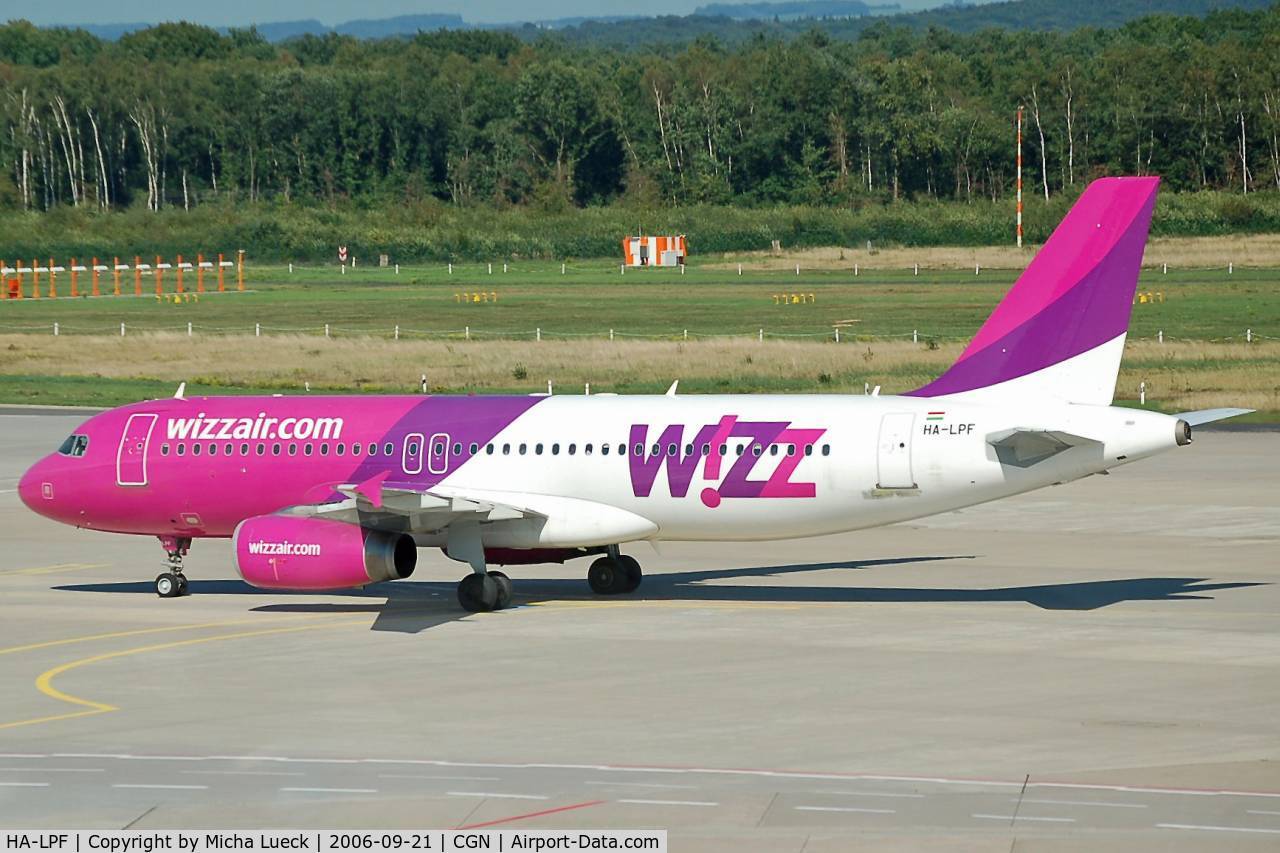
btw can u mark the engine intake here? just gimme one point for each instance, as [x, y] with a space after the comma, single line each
[282, 552]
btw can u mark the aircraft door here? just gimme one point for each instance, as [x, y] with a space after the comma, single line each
[438, 453]
[411, 460]
[894, 452]
[131, 456]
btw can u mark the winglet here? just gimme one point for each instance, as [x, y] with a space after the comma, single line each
[372, 488]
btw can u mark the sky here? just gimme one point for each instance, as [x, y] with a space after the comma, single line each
[330, 12]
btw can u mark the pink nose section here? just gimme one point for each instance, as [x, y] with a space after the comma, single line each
[35, 490]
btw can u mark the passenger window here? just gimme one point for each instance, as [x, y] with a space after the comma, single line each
[340, 449]
[244, 449]
[724, 450]
[229, 450]
[826, 450]
[389, 449]
[604, 450]
[306, 450]
[524, 448]
[791, 450]
[164, 450]
[506, 450]
[213, 450]
[324, 449]
[474, 448]
[555, 449]
[587, 450]
[808, 450]
[573, 448]
[671, 450]
[438, 449]
[537, 448]
[293, 450]
[457, 449]
[275, 449]
[182, 450]
[657, 450]
[622, 449]
[756, 449]
[195, 449]
[740, 449]
[688, 450]
[488, 449]
[706, 450]
[773, 450]
[355, 448]
[261, 449]
[639, 450]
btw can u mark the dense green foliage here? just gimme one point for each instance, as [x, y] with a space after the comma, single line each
[180, 116]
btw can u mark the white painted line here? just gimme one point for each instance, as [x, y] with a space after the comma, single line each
[872, 794]
[669, 803]
[1009, 817]
[332, 790]
[1261, 811]
[448, 778]
[640, 785]
[1216, 828]
[22, 755]
[165, 787]
[843, 809]
[53, 769]
[24, 784]
[1082, 803]
[244, 772]
[496, 796]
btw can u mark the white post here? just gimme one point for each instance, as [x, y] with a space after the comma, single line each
[837, 334]
[1165, 270]
[682, 269]
[451, 268]
[188, 328]
[761, 336]
[562, 269]
[1142, 393]
[622, 269]
[290, 267]
[686, 334]
[1248, 336]
[504, 267]
[397, 269]
[739, 269]
[797, 269]
[917, 270]
[55, 330]
[866, 387]
[122, 330]
[915, 336]
[397, 332]
[466, 332]
[538, 332]
[490, 268]
[855, 269]
[344, 269]
[587, 390]
[257, 330]
[611, 334]
[1231, 268]
[326, 330]
[975, 269]
[1160, 336]
[424, 383]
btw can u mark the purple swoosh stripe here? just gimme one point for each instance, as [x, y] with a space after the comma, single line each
[467, 420]
[1092, 312]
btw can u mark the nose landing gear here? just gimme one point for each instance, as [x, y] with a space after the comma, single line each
[173, 583]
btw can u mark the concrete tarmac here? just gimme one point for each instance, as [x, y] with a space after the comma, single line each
[1094, 666]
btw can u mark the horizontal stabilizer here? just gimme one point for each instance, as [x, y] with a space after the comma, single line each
[1023, 448]
[1208, 416]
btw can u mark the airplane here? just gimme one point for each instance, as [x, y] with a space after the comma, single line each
[336, 492]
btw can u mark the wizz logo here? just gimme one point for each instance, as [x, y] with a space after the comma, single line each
[711, 448]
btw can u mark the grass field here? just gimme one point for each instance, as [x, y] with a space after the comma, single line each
[1203, 314]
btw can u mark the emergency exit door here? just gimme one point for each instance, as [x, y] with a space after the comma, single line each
[131, 456]
[894, 453]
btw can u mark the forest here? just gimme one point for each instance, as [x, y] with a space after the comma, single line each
[179, 116]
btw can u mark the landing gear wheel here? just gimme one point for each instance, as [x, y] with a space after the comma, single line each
[630, 571]
[167, 585]
[478, 593]
[504, 589]
[607, 576]
[182, 584]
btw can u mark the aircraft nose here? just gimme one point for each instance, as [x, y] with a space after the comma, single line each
[35, 489]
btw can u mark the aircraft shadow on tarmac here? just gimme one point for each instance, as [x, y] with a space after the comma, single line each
[414, 606]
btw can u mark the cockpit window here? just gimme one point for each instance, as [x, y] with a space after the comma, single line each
[75, 445]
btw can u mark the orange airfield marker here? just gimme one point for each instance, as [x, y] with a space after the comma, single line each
[199, 272]
[115, 275]
[137, 275]
[35, 280]
[53, 281]
[221, 286]
[159, 276]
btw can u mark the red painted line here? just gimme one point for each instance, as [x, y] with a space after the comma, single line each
[515, 818]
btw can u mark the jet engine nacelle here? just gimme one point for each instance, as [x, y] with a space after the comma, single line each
[283, 552]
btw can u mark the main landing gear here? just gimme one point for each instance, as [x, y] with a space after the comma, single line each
[482, 593]
[173, 583]
[614, 574]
